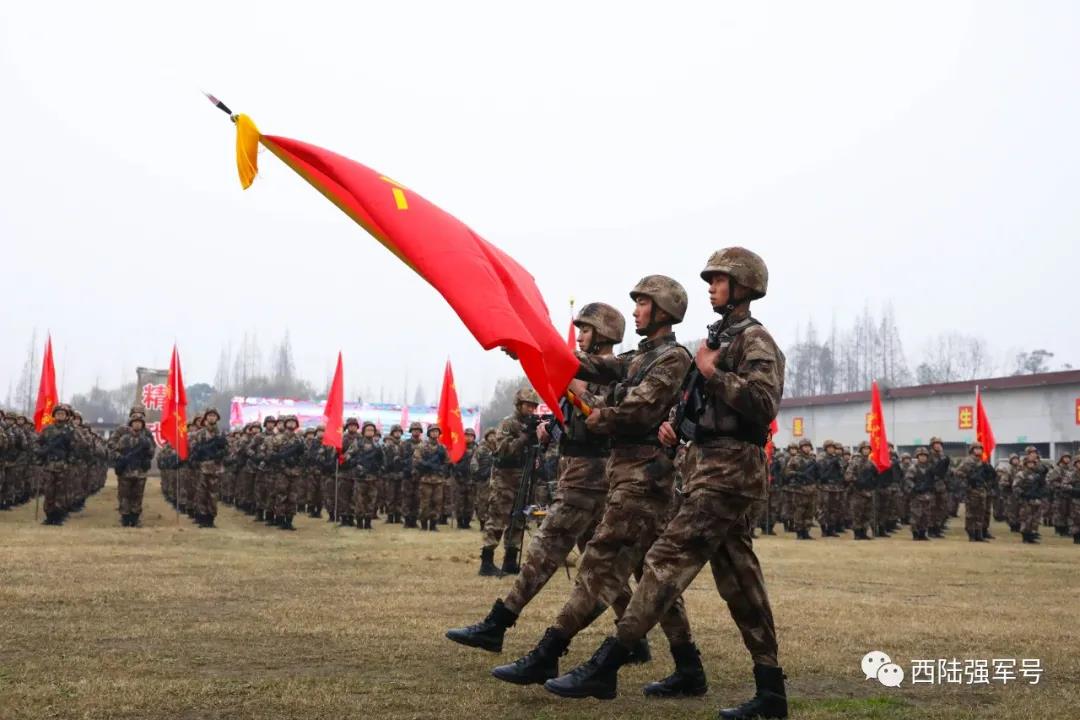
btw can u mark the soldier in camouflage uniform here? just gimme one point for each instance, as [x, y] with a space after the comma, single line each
[54, 452]
[921, 480]
[464, 486]
[483, 464]
[1059, 483]
[939, 510]
[725, 476]
[860, 477]
[287, 460]
[246, 468]
[258, 452]
[343, 508]
[9, 441]
[208, 451]
[430, 466]
[800, 473]
[580, 498]
[410, 491]
[510, 453]
[831, 482]
[644, 385]
[977, 476]
[1029, 486]
[1073, 485]
[392, 470]
[133, 453]
[364, 461]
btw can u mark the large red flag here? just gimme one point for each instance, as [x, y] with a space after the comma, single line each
[879, 443]
[770, 448]
[47, 396]
[494, 296]
[334, 413]
[174, 413]
[453, 431]
[983, 432]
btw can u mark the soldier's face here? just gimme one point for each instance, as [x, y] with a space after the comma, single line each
[369, 432]
[396, 434]
[416, 434]
[923, 459]
[585, 337]
[526, 408]
[719, 290]
[1014, 462]
[865, 452]
[211, 420]
[434, 435]
[806, 449]
[60, 416]
[137, 425]
[642, 312]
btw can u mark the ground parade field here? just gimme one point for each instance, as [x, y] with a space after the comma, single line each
[245, 621]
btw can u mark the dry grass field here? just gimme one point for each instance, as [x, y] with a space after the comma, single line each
[98, 621]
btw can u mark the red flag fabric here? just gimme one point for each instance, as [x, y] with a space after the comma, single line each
[983, 432]
[174, 413]
[47, 396]
[770, 448]
[453, 431]
[879, 443]
[494, 296]
[405, 417]
[334, 413]
[571, 335]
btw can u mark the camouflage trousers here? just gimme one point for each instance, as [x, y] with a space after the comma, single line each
[346, 486]
[431, 497]
[571, 520]
[185, 493]
[939, 512]
[206, 493]
[711, 527]
[1060, 508]
[787, 503]
[410, 496]
[1012, 508]
[465, 492]
[54, 479]
[286, 493]
[629, 526]
[803, 507]
[920, 511]
[226, 484]
[364, 492]
[998, 506]
[861, 503]
[975, 510]
[393, 494]
[1074, 516]
[314, 481]
[1030, 512]
[264, 491]
[482, 492]
[129, 494]
[832, 506]
[500, 503]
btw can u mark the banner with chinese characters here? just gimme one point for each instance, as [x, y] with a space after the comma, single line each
[797, 427]
[965, 417]
[310, 414]
[1078, 411]
[150, 393]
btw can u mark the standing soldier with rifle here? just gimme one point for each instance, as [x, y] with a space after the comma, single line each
[726, 416]
[939, 512]
[288, 457]
[54, 453]
[920, 477]
[860, 478]
[364, 462]
[514, 436]
[392, 469]
[430, 466]
[464, 486]
[410, 492]
[133, 452]
[483, 463]
[831, 478]
[645, 384]
[801, 475]
[977, 476]
[1030, 489]
[208, 450]
[580, 497]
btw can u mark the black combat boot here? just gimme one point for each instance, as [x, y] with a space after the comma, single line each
[260, 515]
[487, 563]
[1076, 538]
[1061, 530]
[975, 536]
[769, 529]
[433, 526]
[770, 700]
[444, 520]
[488, 633]
[860, 534]
[410, 522]
[597, 677]
[286, 523]
[134, 520]
[1029, 538]
[986, 534]
[1014, 527]
[123, 520]
[207, 521]
[539, 665]
[367, 524]
[423, 523]
[510, 562]
[688, 680]
[466, 523]
[316, 512]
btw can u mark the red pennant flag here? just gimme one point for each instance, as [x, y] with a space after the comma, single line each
[453, 431]
[47, 396]
[983, 432]
[879, 443]
[174, 413]
[334, 413]
[770, 448]
[571, 334]
[494, 296]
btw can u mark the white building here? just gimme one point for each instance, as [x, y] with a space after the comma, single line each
[1041, 410]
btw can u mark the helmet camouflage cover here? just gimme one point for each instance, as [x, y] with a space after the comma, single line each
[526, 395]
[666, 294]
[743, 266]
[415, 425]
[604, 319]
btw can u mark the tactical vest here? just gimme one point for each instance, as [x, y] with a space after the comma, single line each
[650, 359]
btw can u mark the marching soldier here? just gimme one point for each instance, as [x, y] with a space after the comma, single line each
[1074, 502]
[347, 476]
[860, 481]
[134, 451]
[939, 511]
[1059, 483]
[645, 385]
[259, 452]
[831, 479]
[510, 452]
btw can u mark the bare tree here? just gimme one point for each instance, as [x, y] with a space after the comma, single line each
[1031, 363]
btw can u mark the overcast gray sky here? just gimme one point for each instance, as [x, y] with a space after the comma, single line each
[923, 153]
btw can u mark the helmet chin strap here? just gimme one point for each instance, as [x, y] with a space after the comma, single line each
[653, 325]
[732, 302]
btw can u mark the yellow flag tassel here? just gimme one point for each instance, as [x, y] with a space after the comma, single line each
[247, 149]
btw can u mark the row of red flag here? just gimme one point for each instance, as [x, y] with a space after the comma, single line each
[174, 410]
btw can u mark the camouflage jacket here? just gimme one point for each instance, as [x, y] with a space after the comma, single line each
[134, 452]
[56, 446]
[364, 457]
[462, 470]
[483, 461]
[392, 461]
[511, 442]
[430, 461]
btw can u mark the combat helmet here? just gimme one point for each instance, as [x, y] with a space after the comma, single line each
[606, 321]
[743, 266]
[864, 444]
[395, 428]
[433, 427]
[415, 425]
[526, 395]
[666, 294]
[368, 424]
[352, 421]
[137, 410]
[806, 442]
[921, 451]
